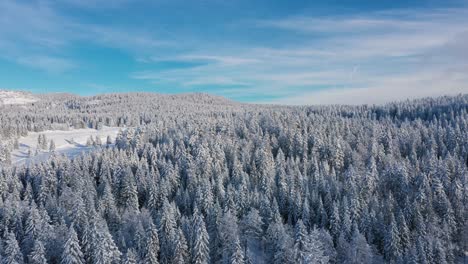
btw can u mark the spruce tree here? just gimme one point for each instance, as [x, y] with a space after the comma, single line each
[38, 255]
[72, 253]
[237, 256]
[152, 246]
[392, 242]
[130, 257]
[12, 252]
[200, 246]
[181, 254]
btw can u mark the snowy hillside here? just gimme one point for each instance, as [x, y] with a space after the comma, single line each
[69, 143]
[196, 178]
[16, 98]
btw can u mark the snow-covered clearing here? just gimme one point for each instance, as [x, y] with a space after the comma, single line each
[71, 143]
[13, 97]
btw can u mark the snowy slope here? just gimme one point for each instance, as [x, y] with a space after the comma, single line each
[16, 98]
[70, 143]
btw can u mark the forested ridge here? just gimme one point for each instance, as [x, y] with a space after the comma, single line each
[200, 179]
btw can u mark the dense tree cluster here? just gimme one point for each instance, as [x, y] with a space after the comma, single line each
[198, 179]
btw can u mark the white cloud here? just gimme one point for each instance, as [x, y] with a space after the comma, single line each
[95, 4]
[39, 29]
[390, 20]
[220, 60]
[387, 89]
[371, 58]
[46, 63]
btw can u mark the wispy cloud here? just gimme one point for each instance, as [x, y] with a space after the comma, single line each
[38, 29]
[369, 58]
[49, 64]
[381, 89]
[95, 4]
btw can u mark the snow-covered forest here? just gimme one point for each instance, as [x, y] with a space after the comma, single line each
[200, 179]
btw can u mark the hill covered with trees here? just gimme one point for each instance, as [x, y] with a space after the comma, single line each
[200, 179]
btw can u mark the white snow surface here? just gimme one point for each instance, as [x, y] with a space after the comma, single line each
[68, 142]
[16, 98]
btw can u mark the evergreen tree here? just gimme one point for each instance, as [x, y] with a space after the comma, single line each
[38, 255]
[12, 252]
[128, 191]
[130, 257]
[152, 246]
[166, 229]
[392, 246]
[52, 146]
[108, 140]
[105, 251]
[301, 244]
[358, 251]
[180, 248]
[72, 251]
[237, 256]
[200, 245]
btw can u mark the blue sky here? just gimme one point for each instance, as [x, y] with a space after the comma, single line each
[288, 52]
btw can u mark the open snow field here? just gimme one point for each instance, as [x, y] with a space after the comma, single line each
[71, 143]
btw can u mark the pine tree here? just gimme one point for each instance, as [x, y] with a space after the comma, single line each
[335, 222]
[152, 246]
[88, 238]
[317, 253]
[252, 225]
[392, 246]
[180, 248]
[105, 251]
[128, 191]
[39, 142]
[98, 141]
[52, 146]
[248, 257]
[229, 232]
[108, 140]
[130, 257]
[358, 251]
[200, 246]
[301, 243]
[38, 255]
[33, 223]
[237, 256]
[12, 253]
[44, 142]
[439, 250]
[307, 248]
[5, 155]
[404, 231]
[166, 230]
[89, 141]
[72, 251]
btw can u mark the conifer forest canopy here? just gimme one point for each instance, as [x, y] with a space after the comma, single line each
[196, 178]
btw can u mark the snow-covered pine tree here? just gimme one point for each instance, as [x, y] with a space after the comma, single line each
[38, 254]
[237, 256]
[152, 246]
[200, 246]
[11, 251]
[72, 253]
[392, 242]
[52, 146]
[181, 254]
[130, 257]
